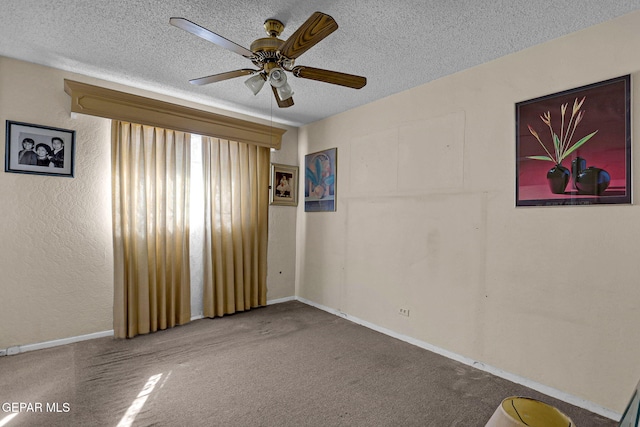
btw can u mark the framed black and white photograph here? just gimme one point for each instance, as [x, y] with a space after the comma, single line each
[40, 150]
[284, 185]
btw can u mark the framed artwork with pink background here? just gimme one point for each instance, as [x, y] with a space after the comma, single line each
[574, 147]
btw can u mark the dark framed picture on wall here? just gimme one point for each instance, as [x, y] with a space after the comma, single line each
[284, 185]
[40, 150]
[320, 181]
[574, 147]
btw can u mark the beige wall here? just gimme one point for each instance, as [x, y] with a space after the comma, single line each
[56, 252]
[426, 221]
[281, 260]
[56, 278]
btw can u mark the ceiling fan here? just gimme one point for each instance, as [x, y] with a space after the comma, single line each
[274, 56]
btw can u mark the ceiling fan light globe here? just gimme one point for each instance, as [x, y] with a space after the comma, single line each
[284, 92]
[277, 77]
[287, 64]
[255, 83]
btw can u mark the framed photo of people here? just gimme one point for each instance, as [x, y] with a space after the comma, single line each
[40, 150]
[284, 185]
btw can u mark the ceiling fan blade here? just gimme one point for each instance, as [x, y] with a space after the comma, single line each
[316, 28]
[202, 32]
[222, 76]
[333, 77]
[281, 103]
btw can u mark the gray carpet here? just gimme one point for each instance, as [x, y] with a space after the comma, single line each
[286, 364]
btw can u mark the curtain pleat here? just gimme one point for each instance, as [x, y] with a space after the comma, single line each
[150, 183]
[236, 199]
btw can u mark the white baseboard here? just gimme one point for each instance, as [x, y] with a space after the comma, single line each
[549, 391]
[54, 343]
[269, 302]
[279, 300]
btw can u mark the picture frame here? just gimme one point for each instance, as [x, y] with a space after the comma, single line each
[284, 185]
[320, 181]
[587, 132]
[39, 150]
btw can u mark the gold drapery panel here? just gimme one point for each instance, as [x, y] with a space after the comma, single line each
[236, 199]
[150, 190]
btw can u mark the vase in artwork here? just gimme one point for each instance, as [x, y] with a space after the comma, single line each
[558, 178]
[589, 180]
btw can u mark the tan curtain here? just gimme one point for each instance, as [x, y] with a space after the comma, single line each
[150, 187]
[236, 199]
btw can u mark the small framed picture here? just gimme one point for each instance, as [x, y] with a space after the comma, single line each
[320, 181]
[284, 185]
[39, 150]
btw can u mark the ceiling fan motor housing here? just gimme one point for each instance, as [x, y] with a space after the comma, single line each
[266, 51]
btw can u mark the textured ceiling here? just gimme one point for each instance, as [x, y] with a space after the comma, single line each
[397, 45]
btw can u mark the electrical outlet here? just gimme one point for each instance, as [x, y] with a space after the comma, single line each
[404, 312]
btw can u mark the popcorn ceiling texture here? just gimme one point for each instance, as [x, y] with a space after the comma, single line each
[397, 45]
[56, 255]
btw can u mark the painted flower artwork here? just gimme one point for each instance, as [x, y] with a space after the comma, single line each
[562, 146]
[574, 147]
[320, 181]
